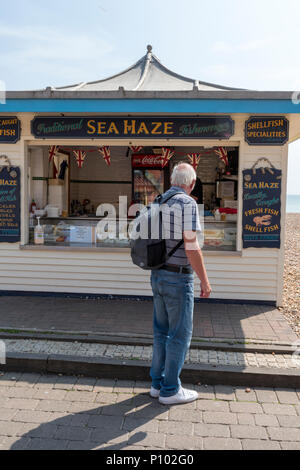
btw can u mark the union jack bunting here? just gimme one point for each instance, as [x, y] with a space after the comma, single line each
[167, 154]
[136, 149]
[53, 151]
[223, 155]
[105, 152]
[80, 157]
[194, 159]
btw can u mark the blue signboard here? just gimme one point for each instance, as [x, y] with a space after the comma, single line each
[154, 127]
[261, 208]
[10, 130]
[267, 130]
[9, 204]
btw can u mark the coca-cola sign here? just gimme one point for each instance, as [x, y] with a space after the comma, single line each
[142, 161]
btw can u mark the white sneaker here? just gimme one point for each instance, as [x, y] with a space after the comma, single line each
[183, 396]
[154, 393]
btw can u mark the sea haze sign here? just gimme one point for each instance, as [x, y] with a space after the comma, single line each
[10, 130]
[262, 208]
[101, 127]
[9, 204]
[267, 130]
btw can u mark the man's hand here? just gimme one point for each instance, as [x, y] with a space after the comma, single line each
[205, 290]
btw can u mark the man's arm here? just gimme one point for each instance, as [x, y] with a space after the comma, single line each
[195, 257]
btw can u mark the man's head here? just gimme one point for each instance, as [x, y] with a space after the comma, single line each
[184, 176]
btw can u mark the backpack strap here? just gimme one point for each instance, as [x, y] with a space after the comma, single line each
[169, 255]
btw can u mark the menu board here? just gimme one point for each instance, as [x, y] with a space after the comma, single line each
[262, 208]
[10, 204]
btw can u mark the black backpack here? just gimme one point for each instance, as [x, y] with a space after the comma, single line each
[151, 253]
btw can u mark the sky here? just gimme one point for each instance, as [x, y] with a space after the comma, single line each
[252, 45]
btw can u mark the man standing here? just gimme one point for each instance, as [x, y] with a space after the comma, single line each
[173, 291]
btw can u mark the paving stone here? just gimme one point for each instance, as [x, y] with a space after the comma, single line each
[289, 421]
[100, 421]
[28, 380]
[38, 416]
[131, 424]
[65, 382]
[219, 418]
[75, 395]
[43, 431]
[7, 414]
[284, 434]
[255, 444]
[147, 440]
[117, 409]
[241, 407]
[212, 405]
[71, 433]
[242, 395]
[266, 420]
[246, 418]
[274, 409]
[10, 429]
[174, 427]
[21, 404]
[205, 391]
[47, 444]
[89, 408]
[46, 381]
[85, 384]
[211, 430]
[52, 405]
[219, 443]
[104, 385]
[184, 442]
[290, 445]
[47, 394]
[248, 432]
[9, 379]
[192, 416]
[14, 443]
[141, 387]
[17, 392]
[124, 386]
[287, 396]
[225, 392]
[106, 398]
[265, 395]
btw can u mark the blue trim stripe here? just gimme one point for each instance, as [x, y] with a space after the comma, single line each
[150, 106]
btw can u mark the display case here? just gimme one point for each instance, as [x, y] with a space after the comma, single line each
[83, 232]
[220, 236]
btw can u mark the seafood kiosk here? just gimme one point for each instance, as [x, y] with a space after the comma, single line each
[76, 160]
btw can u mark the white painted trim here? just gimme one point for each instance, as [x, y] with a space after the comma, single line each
[281, 253]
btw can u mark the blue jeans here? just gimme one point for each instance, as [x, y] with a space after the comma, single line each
[172, 328]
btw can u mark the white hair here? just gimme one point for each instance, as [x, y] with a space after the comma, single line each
[183, 174]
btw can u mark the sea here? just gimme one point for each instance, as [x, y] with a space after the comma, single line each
[293, 203]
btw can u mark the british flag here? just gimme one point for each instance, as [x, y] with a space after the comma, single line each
[194, 159]
[53, 151]
[105, 152]
[80, 157]
[167, 154]
[223, 155]
[136, 149]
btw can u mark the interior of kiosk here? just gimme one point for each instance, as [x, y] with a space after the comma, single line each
[69, 187]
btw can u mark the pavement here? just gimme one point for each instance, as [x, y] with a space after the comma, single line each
[55, 412]
[132, 318]
[250, 345]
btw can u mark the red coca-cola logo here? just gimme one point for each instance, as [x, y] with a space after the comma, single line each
[147, 160]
